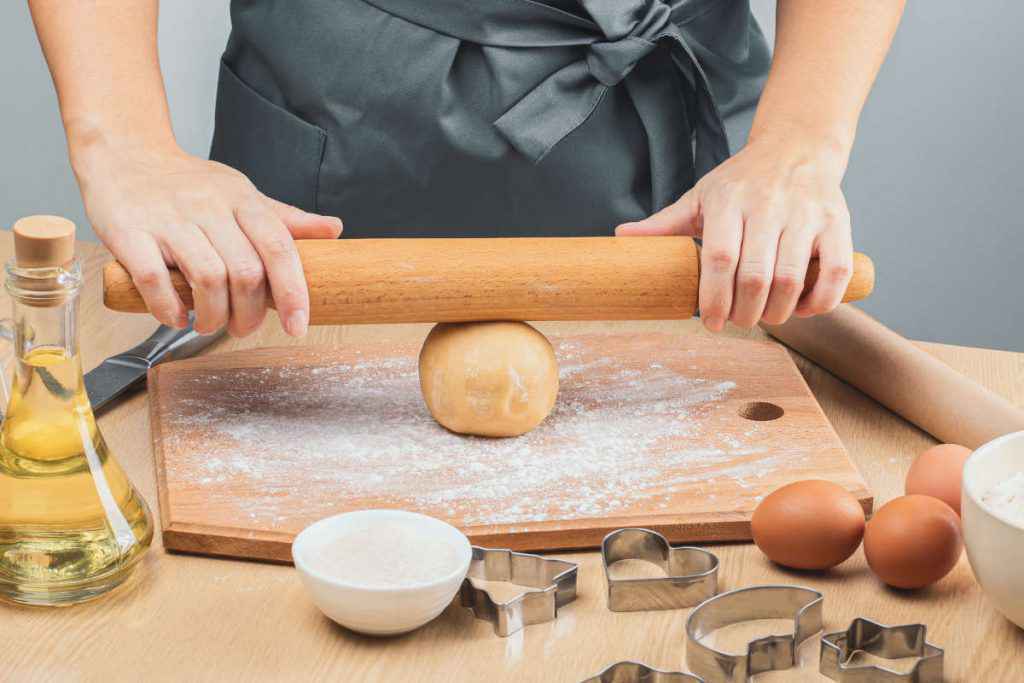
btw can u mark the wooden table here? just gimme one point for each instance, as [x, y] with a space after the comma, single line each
[194, 618]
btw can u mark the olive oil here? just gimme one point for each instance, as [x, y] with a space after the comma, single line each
[72, 526]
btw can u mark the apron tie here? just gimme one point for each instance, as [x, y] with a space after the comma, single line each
[566, 99]
[614, 36]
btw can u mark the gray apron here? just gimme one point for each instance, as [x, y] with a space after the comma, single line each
[485, 117]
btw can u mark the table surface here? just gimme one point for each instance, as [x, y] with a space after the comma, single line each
[195, 618]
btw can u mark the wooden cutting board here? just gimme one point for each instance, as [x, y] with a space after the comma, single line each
[682, 434]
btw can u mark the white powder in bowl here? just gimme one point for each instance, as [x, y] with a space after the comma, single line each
[1007, 498]
[384, 555]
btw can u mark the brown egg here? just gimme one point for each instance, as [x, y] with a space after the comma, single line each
[913, 541]
[938, 473]
[808, 525]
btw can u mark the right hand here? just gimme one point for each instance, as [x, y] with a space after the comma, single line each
[155, 209]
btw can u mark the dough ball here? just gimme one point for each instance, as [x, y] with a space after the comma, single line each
[488, 378]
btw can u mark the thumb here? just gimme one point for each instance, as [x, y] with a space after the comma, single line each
[679, 218]
[304, 225]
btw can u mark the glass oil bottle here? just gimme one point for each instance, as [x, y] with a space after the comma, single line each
[72, 526]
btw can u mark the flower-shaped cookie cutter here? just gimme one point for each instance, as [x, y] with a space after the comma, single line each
[691, 574]
[554, 582]
[635, 672]
[771, 653]
[886, 642]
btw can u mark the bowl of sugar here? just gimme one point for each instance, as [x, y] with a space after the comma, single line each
[381, 572]
[992, 504]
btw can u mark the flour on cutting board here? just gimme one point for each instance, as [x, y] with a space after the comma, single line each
[361, 431]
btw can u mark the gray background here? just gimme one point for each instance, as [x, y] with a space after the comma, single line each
[934, 184]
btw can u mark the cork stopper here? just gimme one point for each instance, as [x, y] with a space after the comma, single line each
[43, 242]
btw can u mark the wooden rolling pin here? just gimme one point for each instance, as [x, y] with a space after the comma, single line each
[901, 376]
[515, 278]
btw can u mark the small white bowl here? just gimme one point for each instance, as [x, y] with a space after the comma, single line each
[380, 610]
[995, 546]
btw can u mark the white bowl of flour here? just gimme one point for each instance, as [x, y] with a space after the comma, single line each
[993, 521]
[381, 572]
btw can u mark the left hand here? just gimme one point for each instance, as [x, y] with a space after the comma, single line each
[762, 215]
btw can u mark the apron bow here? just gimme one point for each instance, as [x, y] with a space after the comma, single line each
[631, 34]
[610, 62]
[613, 37]
[566, 99]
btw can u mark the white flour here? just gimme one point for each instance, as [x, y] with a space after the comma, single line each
[1007, 498]
[391, 554]
[361, 432]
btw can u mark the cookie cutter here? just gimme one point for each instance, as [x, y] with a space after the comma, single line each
[771, 653]
[887, 642]
[635, 672]
[691, 574]
[555, 581]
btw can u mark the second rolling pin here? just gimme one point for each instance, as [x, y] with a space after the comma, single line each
[514, 278]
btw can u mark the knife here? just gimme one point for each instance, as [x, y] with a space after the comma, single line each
[125, 371]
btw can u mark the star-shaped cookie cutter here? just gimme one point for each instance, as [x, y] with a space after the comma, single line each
[555, 581]
[691, 574]
[887, 642]
[771, 653]
[635, 672]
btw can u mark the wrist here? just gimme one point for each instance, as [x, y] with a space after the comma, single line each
[91, 145]
[830, 147]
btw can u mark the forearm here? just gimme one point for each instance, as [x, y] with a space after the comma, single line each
[103, 58]
[827, 54]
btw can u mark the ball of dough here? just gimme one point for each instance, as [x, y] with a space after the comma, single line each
[488, 378]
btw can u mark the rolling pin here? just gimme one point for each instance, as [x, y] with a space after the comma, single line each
[901, 376]
[501, 278]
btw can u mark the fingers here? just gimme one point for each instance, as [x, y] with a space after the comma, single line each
[142, 257]
[755, 269]
[835, 255]
[723, 230]
[205, 272]
[273, 242]
[245, 277]
[790, 272]
[680, 218]
[304, 225]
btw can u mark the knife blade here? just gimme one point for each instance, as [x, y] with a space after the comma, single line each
[120, 374]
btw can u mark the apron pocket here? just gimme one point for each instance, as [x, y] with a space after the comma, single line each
[278, 151]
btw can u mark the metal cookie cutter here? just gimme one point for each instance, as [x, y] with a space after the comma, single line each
[635, 672]
[555, 579]
[691, 574]
[771, 653]
[888, 642]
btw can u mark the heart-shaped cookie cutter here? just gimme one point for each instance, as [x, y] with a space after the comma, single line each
[555, 581]
[691, 574]
[771, 653]
[635, 672]
[887, 642]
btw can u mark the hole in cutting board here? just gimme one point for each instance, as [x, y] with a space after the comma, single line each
[761, 411]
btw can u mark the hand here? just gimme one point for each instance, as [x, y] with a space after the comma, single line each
[763, 214]
[155, 209]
